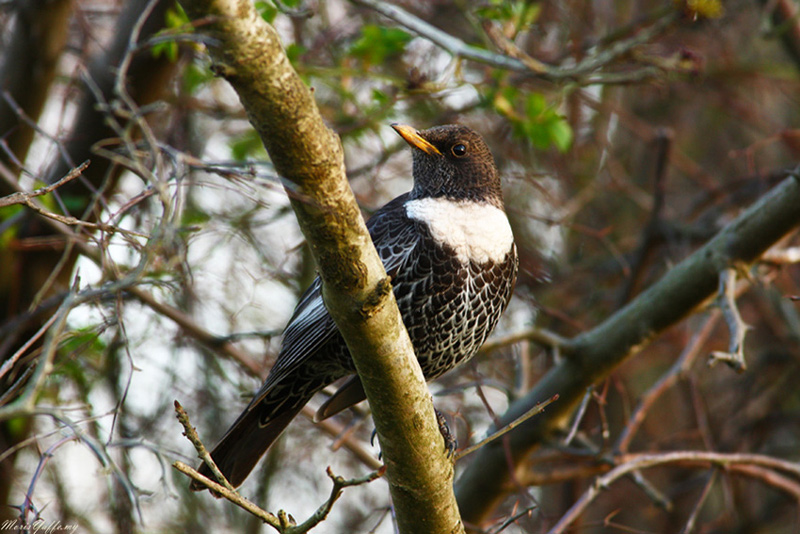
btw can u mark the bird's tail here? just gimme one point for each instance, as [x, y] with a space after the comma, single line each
[248, 439]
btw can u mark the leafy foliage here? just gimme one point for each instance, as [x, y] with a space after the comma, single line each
[377, 44]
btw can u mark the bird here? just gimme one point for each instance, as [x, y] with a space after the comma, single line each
[449, 251]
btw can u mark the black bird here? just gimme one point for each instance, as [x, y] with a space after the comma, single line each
[450, 253]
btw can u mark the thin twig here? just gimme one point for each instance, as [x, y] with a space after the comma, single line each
[339, 484]
[737, 327]
[510, 48]
[513, 519]
[232, 496]
[784, 256]
[22, 197]
[539, 408]
[670, 378]
[651, 234]
[652, 492]
[282, 522]
[635, 462]
[191, 434]
[9, 363]
[576, 421]
[28, 199]
[690, 523]
[455, 46]
[540, 336]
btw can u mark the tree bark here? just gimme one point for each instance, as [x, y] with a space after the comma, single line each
[308, 156]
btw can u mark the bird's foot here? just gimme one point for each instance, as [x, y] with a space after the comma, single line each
[450, 441]
[372, 442]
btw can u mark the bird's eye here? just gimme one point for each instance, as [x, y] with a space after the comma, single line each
[459, 150]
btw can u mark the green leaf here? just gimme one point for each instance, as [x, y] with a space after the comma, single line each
[561, 134]
[267, 11]
[535, 105]
[168, 49]
[195, 76]
[17, 427]
[378, 44]
[539, 123]
[192, 216]
[176, 17]
[10, 233]
[247, 145]
[538, 135]
[294, 51]
[380, 97]
[83, 340]
[528, 14]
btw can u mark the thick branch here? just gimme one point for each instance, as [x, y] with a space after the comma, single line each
[357, 292]
[593, 355]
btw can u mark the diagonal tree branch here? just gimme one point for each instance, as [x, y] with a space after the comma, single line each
[593, 355]
[308, 156]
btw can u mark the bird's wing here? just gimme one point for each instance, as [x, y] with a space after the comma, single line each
[311, 326]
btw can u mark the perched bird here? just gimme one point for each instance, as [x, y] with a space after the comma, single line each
[448, 248]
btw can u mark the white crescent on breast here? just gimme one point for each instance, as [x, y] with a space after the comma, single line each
[478, 232]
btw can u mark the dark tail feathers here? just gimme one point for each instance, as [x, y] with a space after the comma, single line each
[245, 443]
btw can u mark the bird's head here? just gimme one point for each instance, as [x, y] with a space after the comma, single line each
[452, 161]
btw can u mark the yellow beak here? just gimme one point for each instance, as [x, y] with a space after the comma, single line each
[414, 139]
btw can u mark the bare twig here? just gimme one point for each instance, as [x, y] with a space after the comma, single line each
[22, 197]
[771, 477]
[737, 327]
[539, 408]
[651, 234]
[339, 484]
[191, 434]
[27, 401]
[282, 522]
[455, 46]
[787, 256]
[651, 491]
[25, 405]
[513, 519]
[28, 199]
[28, 506]
[576, 421]
[632, 463]
[510, 48]
[9, 363]
[230, 495]
[335, 430]
[690, 523]
[669, 379]
[540, 336]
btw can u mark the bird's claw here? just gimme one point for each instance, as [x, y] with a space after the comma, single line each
[372, 442]
[450, 441]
